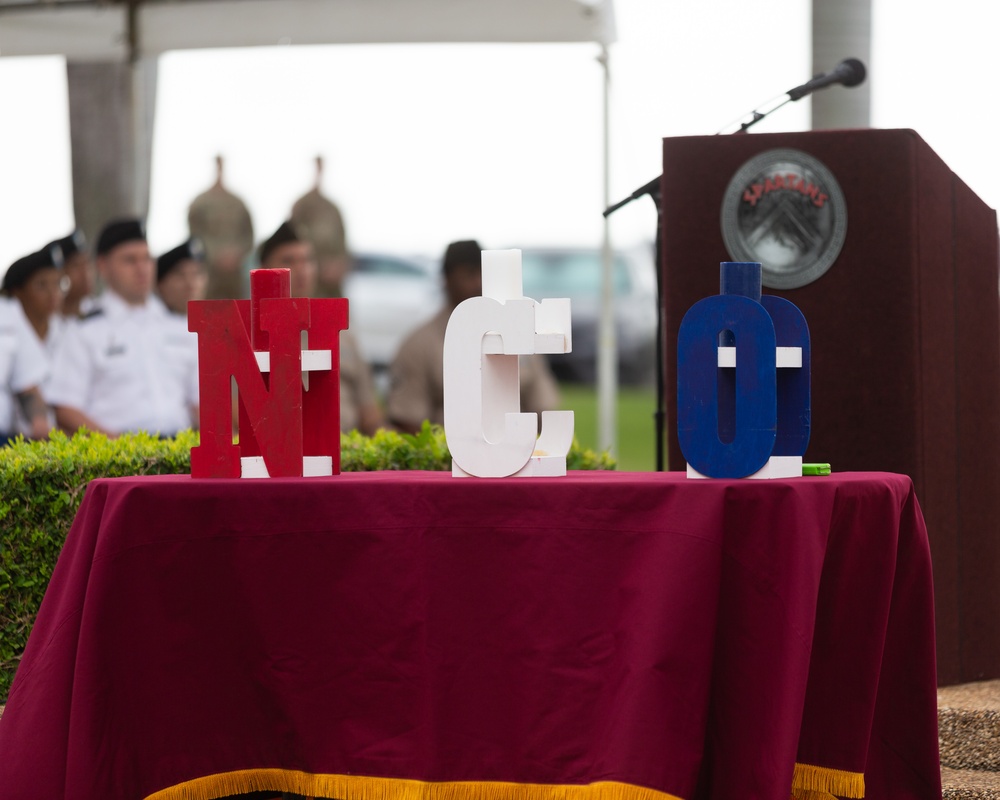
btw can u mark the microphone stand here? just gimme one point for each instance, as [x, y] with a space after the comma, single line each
[653, 190]
[757, 115]
[659, 416]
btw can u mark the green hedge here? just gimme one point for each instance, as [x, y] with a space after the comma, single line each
[42, 485]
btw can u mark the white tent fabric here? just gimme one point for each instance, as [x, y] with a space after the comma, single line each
[101, 31]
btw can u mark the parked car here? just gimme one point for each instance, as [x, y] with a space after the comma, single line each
[390, 295]
[576, 273]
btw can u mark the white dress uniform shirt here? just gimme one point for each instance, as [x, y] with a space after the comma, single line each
[23, 363]
[49, 345]
[57, 327]
[128, 368]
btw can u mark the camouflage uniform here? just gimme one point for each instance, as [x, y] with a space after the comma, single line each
[222, 222]
[357, 390]
[320, 222]
[416, 390]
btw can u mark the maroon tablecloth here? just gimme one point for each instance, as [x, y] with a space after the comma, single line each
[411, 635]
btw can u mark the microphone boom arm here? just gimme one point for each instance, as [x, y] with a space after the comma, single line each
[755, 116]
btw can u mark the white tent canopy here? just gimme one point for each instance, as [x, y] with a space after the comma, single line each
[87, 30]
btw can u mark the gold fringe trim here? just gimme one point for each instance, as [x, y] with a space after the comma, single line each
[818, 783]
[805, 794]
[357, 787]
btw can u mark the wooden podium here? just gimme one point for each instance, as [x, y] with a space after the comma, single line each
[905, 327]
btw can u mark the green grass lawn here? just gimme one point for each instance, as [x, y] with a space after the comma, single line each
[636, 451]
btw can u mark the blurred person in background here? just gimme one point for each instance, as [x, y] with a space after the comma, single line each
[222, 222]
[37, 282]
[23, 367]
[81, 280]
[359, 408]
[416, 376]
[318, 219]
[181, 276]
[287, 249]
[128, 365]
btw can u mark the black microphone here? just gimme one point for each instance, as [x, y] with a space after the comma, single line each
[849, 72]
[651, 188]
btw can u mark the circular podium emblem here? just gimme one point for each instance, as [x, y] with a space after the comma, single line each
[784, 209]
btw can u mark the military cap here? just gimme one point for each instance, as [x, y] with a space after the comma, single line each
[285, 234]
[21, 270]
[466, 253]
[70, 245]
[191, 250]
[119, 232]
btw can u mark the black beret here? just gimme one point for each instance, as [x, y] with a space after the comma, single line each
[285, 234]
[119, 232]
[21, 270]
[465, 253]
[192, 249]
[70, 245]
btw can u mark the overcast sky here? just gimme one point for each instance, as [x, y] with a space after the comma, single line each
[428, 143]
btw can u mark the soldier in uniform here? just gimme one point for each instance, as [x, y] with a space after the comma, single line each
[78, 270]
[359, 408]
[180, 276]
[287, 249]
[222, 222]
[416, 375]
[128, 365]
[37, 283]
[23, 363]
[319, 221]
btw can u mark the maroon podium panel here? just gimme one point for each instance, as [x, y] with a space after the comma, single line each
[905, 327]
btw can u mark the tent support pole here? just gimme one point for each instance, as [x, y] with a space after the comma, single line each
[607, 350]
